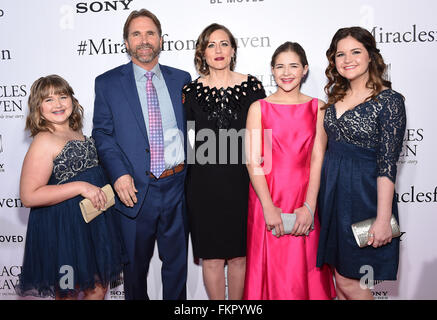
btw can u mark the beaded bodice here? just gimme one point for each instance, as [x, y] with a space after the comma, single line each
[75, 157]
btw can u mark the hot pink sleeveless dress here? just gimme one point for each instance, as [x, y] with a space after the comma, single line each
[285, 267]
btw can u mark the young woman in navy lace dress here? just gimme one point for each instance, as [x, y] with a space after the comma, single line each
[64, 256]
[365, 123]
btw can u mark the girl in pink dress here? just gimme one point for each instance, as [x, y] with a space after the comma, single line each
[284, 164]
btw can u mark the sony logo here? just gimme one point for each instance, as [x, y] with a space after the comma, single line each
[99, 6]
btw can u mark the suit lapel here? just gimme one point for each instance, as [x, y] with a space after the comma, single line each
[130, 89]
[172, 86]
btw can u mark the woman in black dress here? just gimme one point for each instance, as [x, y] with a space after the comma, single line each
[365, 123]
[217, 180]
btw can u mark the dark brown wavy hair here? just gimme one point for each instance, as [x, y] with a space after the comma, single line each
[202, 42]
[337, 85]
[40, 90]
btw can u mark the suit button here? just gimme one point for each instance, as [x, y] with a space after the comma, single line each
[147, 173]
[147, 150]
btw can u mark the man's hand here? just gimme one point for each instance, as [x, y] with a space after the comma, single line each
[125, 188]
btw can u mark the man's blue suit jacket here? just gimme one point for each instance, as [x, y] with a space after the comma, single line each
[119, 128]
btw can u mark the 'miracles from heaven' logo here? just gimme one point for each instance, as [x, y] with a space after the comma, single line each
[411, 145]
[2, 165]
[414, 34]
[9, 279]
[414, 195]
[12, 101]
[5, 55]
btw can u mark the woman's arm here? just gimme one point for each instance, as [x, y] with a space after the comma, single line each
[381, 228]
[303, 215]
[392, 123]
[253, 145]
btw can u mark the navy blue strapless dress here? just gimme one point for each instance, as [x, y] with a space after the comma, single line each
[363, 144]
[63, 254]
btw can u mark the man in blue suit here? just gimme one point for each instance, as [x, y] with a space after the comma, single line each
[151, 204]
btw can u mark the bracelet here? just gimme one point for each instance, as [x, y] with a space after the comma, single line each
[309, 208]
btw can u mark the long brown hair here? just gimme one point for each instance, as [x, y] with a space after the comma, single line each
[337, 85]
[202, 42]
[41, 89]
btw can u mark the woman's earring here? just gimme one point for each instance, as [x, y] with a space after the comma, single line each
[203, 68]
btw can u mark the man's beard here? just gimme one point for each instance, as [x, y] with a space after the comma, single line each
[150, 57]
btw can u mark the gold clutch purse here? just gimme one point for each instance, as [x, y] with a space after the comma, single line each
[361, 230]
[87, 208]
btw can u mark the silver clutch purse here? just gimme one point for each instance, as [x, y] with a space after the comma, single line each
[361, 230]
[288, 220]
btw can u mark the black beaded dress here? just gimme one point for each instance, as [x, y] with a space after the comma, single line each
[217, 182]
[63, 254]
[364, 143]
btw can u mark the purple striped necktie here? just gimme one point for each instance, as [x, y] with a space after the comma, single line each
[156, 137]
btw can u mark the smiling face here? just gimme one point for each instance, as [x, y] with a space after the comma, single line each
[143, 42]
[352, 59]
[288, 70]
[219, 51]
[57, 108]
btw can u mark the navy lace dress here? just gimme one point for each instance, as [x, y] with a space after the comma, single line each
[63, 254]
[364, 143]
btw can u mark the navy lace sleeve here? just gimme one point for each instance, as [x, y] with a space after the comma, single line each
[392, 123]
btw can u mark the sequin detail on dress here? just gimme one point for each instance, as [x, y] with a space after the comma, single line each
[75, 157]
[223, 105]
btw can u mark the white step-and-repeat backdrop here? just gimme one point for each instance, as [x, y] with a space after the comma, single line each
[82, 39]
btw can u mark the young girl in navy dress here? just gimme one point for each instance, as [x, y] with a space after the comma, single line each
[64, 256]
